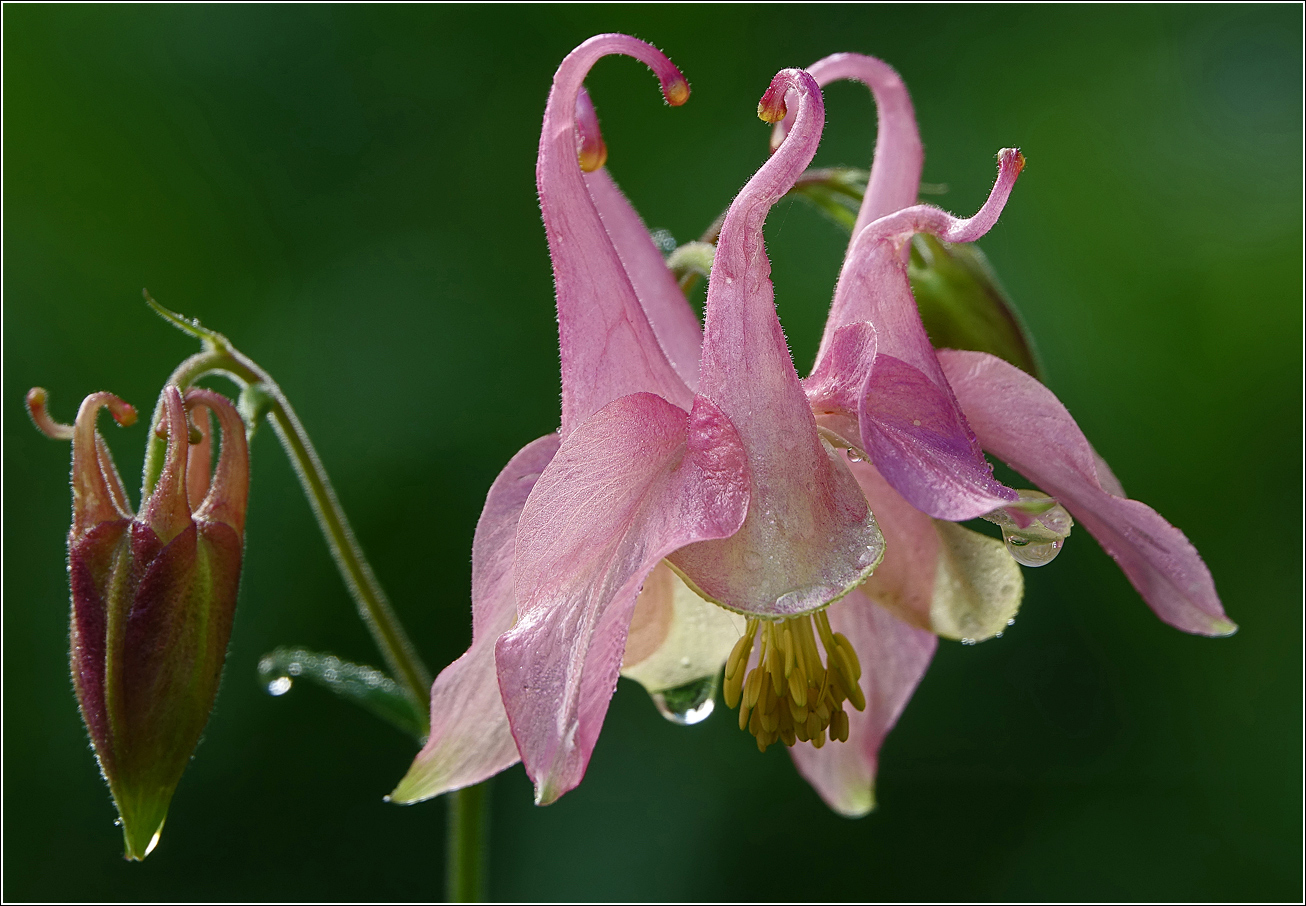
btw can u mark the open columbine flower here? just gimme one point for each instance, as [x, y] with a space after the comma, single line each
[153, 595]
[914, 433]
[694, 466]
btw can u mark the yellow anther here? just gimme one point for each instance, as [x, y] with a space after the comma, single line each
[732, 689]
[774, 662]
[798, 689]
[738, 660]
[849, 652]
[839, 726]
[770, 713]
[753, 687]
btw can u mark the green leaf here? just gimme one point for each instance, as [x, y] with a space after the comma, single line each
[837, 192]
[964, 306]
[363, 685]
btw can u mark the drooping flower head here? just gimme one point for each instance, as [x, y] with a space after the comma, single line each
[696, 474]
[153, 594]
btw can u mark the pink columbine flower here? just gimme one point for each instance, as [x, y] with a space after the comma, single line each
[694, 466]
[153, 594]
[911, 405]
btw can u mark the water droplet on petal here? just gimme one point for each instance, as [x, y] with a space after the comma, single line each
[280, 686]
[997, 635]
[1011, 622]
[689, 704]
[1030, 553]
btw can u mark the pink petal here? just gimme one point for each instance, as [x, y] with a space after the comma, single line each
[894, 657]
[608, 348]
[903, 583]
[834, 388]
[896, 168]
[809, 536]
[910, 423]
[917, 436]
[673, 320]
[1023, 423]
[628, 486]
[470, 740]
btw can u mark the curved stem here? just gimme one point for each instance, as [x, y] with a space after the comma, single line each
[219, 357]
[466, 851]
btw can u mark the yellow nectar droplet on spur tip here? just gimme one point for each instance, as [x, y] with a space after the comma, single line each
[593, 156]
[771, 113]
[676, 92]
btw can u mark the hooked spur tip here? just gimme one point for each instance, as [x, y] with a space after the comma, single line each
[123, 413]
[1013, 158]
[36, 399]
[676, 91]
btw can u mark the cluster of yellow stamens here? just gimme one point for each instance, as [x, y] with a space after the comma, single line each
[792, 695]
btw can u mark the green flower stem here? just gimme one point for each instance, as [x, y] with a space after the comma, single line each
[220, 357]
[465, 849]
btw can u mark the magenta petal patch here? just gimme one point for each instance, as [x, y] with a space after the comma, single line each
[1023, 423]
[918, 439]
[633, 483]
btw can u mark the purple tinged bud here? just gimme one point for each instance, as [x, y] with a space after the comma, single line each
[153, 595]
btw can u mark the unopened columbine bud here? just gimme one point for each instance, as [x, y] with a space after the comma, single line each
[153, 594]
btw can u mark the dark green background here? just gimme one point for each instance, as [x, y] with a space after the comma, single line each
[349, 194]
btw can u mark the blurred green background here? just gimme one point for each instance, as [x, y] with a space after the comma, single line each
[348, 193]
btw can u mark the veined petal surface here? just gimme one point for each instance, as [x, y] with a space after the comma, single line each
[673, 320]
[634, 482]
[1023, 423]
